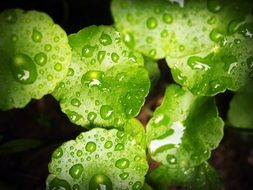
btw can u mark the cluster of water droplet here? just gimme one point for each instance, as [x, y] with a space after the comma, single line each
[98, 159]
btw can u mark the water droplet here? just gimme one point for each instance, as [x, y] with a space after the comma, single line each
[71, 72]
[76, 187]
[57, 183]
[137, 158]
[101, 56]
[90, 147]
[151, 23]
[246, 30]
[23, 69]
[105, 39]
[57, 153]
[216, 85]
[119, 147]
[167, 18]
[152, 52]
[56, 39]
[76, 171]
[124, 175]
[88, 51]
[120, 134]
[130, 18]
[10, 16]
[234, 25]
[40, 59]
[91, 116]
[50, 77]
[74, 117]
[197, 63]
[36, 35]
[216, 35]
[171, 159]
[164, 33]
[181, 48]
[122, 163]
[58, 67]
[48, 47]
[79, 153]
[92, 78]
[129, 40]
[211, 20]
[149, 39]
[250, 63]
[14, 38]
[108, 144]
[214, 5]
[100, 182]
[75, 102]
[137, 185]
[115, 57]
[106, 112]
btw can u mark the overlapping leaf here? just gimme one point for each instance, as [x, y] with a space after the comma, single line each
[106, 83]
[34, 56]
[240, 113]
[202, 177]
[184, 129]
[207, 43]
[98, 159]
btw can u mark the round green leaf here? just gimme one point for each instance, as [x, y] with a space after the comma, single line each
[35, 56]
[240, 113]
[207, 44]
[184, 129]
[98, 159]
[106, 84]
[202, 177]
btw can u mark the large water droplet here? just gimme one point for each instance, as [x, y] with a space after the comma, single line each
[74, 117]
[214, 5]
[167, 18]
[129, 40]
[36, 35]
[23, 69]
[197, 63]
[105, 39]
[122, 163]
[88, 51]
[10, 16]
[106, 112]
[151, 23]
[90, 147]
[76, 171]
[93, 78]
[216, 35]
[57, 183]
[100, 182]
[57, 153]
[40, 59]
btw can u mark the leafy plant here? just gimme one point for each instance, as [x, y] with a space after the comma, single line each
[101, 79]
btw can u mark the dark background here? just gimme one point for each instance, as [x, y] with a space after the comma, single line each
[43, 121]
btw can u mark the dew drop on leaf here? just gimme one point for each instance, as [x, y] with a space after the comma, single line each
[115, 57]
[48, 47]
[105, 39]
[10, 16]
[58, 67]
[101, 56]
[74, 117]
[76, 187]
[120, 134]
[14, 38]
[122, 163]
[216, 36]
[233, 26]
[36, 35]
[90, 147]
[151, 23]
[71, 72]
[108, 144]
[197, 63]
[100, 181]
[23, 69]
[57, 183]
[57, 153]
[88, 51]
[106, 112]
[124, 175]
[167, 18]
[214, 5]
[76, 171]
[171, 159]
[119, 147]
[129, 40]
[137, 185]
[40, 59]
[92, 78]
[75, 102]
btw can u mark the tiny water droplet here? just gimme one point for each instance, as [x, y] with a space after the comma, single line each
[76, 171]
[71, 72]
[120, 134]
[106, 112]
[129, 40]
[48, 47]
[14, 38]
[151, 23]
[119, 147]
[79, 153]
[101, 56]
[152, 52]
[10, 16]
[40, 59]
[105, 39]
[149, 39]
[57, 153]
[124, 175]
[88, 51]
[74, 117]
[23, 69]
[115, 57]
[167, 18]
[100, 182]
[91, 116]
[75, 102]
[36, 35]
[90, 147]
[122, 163]
[58, 67]
[211, 20]
[137, 185]
[164, 33]
[216, 35]
[214, 5]
[108, 144]
[171, 159]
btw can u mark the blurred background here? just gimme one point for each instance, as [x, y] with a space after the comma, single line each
[28, 136]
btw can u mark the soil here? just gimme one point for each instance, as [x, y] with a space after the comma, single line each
[43, 120]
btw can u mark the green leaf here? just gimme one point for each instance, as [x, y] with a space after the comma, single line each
[184, 129]
[240, 113]
[19, 145]
[35, 56]
[153, 71]
[98, 159]
[135, 128]
[207, 44]
[202, 177]
[107, 82]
